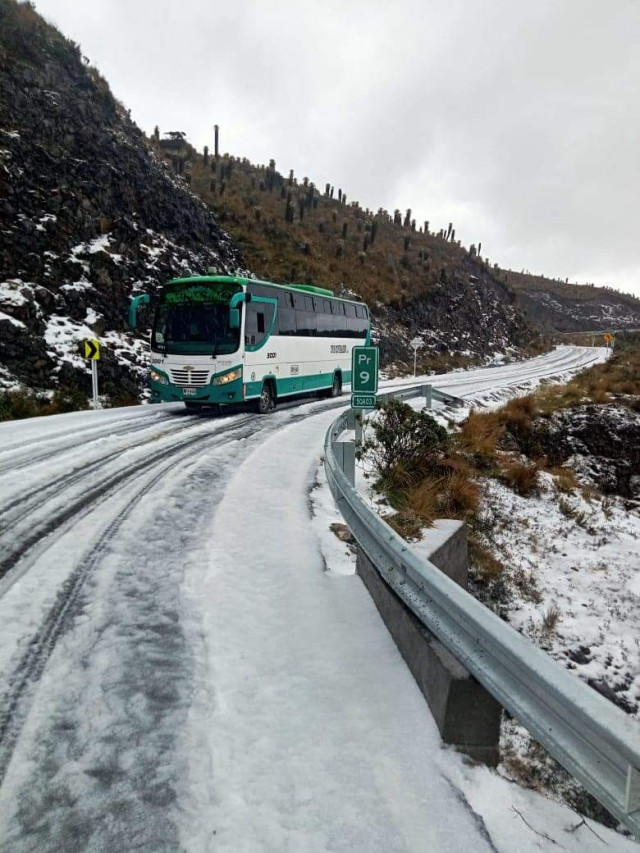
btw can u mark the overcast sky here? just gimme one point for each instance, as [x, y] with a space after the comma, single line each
[517, 120]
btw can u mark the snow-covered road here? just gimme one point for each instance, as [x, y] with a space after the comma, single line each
[179, 670]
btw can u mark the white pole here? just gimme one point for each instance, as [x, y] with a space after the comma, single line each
[94, 382]
[415, 361]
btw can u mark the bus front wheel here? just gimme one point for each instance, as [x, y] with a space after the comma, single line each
[336, 387]
[266, 401]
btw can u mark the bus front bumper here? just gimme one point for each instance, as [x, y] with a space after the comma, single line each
[212, 395]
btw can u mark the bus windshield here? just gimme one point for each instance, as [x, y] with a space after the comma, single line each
[194, 327]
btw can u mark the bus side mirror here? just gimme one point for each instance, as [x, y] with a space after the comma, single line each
[144, 298]
[234, 318]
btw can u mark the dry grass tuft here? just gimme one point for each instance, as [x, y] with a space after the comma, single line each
[406, 523]
[522, 477]
[486, 566]
[480, 436]
[550, 619]
[564, 480]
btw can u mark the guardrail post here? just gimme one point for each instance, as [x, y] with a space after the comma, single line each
[345, 454]
[359, 419]
[632, 793]
[428, 396]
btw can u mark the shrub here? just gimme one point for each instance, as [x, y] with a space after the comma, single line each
[405, 440]
[66, 399]
[16, 405]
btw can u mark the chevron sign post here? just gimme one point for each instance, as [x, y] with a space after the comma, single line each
[92, 353]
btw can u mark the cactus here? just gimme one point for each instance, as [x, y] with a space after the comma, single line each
[212, 185]
[327, 189]
[205, 155]
[426, 226]
[413, 225]
[374, 231]
[223, 187]
[345, 229]
[449, 231]
[344, 198]
[397, 217]
[290, 177]
[301, 208]
[216, 131]
[289, 212]
[339, 249]
[479, 250]
[156, 133]
[365, 243]
[407, 243]
[453, 235]
[472, 250]
[305, 182]
[407, 218]
[339, 196]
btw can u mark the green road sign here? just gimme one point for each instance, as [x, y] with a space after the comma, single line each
[363, 401]
[364, 370]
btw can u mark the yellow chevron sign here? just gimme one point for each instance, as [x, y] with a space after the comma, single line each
[608, 338]
[92, 350]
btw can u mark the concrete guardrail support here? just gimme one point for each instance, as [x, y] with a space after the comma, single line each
[467, 716]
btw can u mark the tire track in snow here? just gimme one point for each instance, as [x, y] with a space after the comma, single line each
[30, 459]
[83, 504]
[16, 700]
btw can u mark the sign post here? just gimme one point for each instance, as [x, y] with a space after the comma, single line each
[416, 343]
[364, 383]
[92, 353]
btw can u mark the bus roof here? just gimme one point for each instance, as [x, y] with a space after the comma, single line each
[233, 279]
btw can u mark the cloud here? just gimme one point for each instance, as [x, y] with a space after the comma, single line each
[517, 122]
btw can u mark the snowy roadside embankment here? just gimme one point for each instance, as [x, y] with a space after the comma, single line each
[570, 582]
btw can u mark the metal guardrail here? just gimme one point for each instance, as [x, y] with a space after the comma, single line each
[592, 738]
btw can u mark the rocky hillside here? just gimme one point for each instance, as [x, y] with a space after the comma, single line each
[88, 214]
[92, 211]
[418, 281]
[568, 307]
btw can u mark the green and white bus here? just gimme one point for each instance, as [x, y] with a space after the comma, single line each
[218, 340]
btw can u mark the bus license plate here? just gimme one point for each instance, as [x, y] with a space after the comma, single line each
[189, 392]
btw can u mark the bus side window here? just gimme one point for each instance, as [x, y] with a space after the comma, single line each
[258, 322]
[287, 321]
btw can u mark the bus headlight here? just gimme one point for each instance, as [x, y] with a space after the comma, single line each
[158, 377]
[231, 376]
